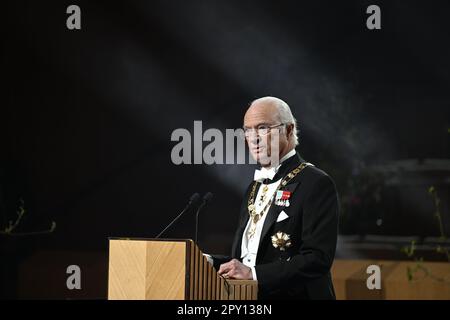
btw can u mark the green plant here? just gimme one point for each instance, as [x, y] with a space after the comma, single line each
[410, 250]
[12, 225]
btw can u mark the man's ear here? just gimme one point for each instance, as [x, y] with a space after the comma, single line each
[289, 130]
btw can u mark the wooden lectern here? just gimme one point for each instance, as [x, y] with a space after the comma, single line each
[163, 269]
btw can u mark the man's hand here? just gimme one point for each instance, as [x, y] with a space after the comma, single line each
[234, 269]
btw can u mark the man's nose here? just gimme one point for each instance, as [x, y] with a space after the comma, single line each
[254, 139]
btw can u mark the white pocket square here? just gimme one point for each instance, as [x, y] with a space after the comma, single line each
[282, 216]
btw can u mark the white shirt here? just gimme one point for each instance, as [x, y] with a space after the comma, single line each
[249, 247]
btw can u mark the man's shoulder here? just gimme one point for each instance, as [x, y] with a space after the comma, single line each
[312, 175]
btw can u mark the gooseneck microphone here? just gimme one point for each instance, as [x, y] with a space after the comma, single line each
[207, 197]
[193, 200]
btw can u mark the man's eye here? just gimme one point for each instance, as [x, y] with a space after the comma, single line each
[263, 128]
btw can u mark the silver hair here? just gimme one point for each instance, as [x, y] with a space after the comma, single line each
[284, 114]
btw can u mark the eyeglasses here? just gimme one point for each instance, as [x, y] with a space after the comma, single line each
[262, 130]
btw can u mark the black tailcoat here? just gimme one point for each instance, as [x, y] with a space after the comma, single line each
[302, 271]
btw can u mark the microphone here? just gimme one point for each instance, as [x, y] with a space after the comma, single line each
[207, 197]
[192, 200]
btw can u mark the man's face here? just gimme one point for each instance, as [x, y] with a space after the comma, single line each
[265, 149]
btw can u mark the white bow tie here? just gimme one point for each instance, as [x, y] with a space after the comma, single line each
[261, 175]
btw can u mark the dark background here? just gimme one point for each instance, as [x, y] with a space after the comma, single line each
[87, 115]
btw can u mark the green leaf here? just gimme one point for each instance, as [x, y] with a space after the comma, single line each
[409, 273]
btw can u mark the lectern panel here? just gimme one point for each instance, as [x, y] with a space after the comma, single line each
[163, 269]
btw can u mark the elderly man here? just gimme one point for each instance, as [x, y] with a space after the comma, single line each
[287, 232]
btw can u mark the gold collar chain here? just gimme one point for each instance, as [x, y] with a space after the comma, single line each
[251, 199]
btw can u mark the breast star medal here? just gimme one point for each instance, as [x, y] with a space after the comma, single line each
[281, 240]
